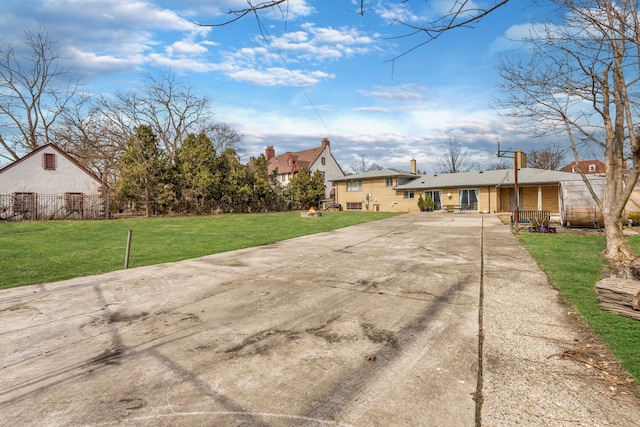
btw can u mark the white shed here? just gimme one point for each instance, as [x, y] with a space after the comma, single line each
[49, 184]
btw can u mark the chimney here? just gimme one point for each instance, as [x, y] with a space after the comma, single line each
[325, 143]
[270, 152]
[413, 168]
[521, 159]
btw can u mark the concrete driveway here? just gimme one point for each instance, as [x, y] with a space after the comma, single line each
[421, 319]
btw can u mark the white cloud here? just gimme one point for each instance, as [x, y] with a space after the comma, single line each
[97, 64]
[185, 48]
[291, 9]
[277, 76]
[406, 92]
[396, 12]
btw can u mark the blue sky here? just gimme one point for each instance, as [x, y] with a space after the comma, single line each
[320, 71]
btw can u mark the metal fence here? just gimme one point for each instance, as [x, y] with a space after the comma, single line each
[47, 207]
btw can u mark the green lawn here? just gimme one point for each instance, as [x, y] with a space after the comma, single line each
[574, 265]
[39, 252]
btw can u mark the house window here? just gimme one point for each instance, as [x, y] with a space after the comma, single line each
[354, 185]
[24, 202]
[468, 199]
[324, 161]
[74, 202]
[436, 196]
[408, 194]
[592, 168]
[49, 161]
[389, 182]
[354, 206]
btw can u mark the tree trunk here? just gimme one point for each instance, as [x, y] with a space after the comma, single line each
[618, 252]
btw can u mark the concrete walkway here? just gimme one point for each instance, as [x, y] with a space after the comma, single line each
[421, 319]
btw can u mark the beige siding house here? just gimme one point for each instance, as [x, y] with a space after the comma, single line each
[375, 191]
[492, 191]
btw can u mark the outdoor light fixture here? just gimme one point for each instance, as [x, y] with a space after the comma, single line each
[449, 195]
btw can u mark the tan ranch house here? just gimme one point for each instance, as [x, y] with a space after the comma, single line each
[389, 190]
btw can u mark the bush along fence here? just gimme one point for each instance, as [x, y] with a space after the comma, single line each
[47, 207]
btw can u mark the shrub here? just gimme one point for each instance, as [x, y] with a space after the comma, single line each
[635, 217]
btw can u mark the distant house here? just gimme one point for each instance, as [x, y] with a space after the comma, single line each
[489, 191]
[376, 191]
[591, 167]
[286, 165]
[49, 184]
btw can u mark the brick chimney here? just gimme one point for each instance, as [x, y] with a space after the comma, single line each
[521, 159]
[414, 168]
[325, 143]
[270, 152]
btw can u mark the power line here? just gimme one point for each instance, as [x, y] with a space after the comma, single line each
[267, 37]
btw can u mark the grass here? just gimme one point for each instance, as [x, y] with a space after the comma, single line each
[574, 265]
[40, 252]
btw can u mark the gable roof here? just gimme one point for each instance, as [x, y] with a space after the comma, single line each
[291, 162]
[59, 151]
[378, 173]
[492, 178]
[584, 166]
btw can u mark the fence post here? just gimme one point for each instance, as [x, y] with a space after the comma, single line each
[126, 256]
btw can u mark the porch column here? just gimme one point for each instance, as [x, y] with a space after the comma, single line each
[539, 197]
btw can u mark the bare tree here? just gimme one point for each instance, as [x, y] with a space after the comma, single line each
[580, 81]
[460, 14]
[92, 138]
[454, 159]
[499, 165]
[550, 157]
[35, 90]
[224, 136]
[362, 165]
[165, 104]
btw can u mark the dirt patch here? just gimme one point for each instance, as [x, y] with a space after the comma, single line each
[589, 351]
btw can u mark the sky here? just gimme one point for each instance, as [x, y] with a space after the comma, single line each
[315, 69]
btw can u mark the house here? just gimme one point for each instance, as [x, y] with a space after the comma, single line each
[50, 184]
[593, 167]
[286, 165]
[487, 191]
[375, 191]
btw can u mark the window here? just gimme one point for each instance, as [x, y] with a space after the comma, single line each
[389, 182]
[592, 168]
[324, 161]
[354, 185]
[354, 206]
[408, 194]
[49, 161]
[468, 199]
[436, 196]
[74, 202]
[24, 202]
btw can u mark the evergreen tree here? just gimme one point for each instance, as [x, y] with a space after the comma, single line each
[196, 178]
[142, 169]
[234, 192]
[304, 190]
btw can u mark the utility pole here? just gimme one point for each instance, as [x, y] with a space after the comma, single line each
[515, 155]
